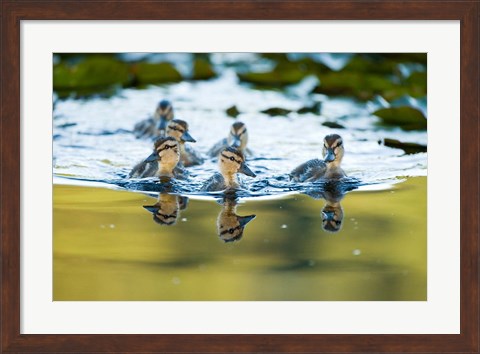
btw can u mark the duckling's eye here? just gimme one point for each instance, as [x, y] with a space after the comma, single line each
[231, 231]
[167, 147]
[231, 158]
[339, 144]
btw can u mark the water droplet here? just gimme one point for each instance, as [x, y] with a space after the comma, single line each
[284, 226]
[356, 252]
[176, 281]
[112, 226]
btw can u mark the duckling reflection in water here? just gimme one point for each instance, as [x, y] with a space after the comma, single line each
[161, 163]
[237, 138]
[329, 168]
[166, 210]
[230, 162]
[230, 226]
[332, 212]
[156, 125]
[178, 129]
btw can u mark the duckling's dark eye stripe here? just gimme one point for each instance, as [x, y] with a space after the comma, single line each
[228, 230]
[167, 216]
[177, 129]
[234, 159]
[166, 147]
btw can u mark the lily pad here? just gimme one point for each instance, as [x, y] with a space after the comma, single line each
[333, 125]
[156, 73]
[276, 111]
[409, 148]
[284, 73]
[233, 112]
[93, 72]
[314, 108]
[202, 70]
[407, 118]
[360, 85]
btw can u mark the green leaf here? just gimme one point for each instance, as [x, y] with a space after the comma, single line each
[202, 70]
[405, 117]
[156, 73]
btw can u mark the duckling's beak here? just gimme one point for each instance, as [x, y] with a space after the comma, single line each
[153, 157]
[162, 124]
[236, 141]
[151, 208]
[246, 170]
[187, 137]
[328, 215]
[244, 220]
[330, 155]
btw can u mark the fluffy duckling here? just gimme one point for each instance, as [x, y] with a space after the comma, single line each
[166, 210]
[179, 130]
[162, 161]
[329, 168]
[237, 138]
[156, 125]
[230, 162]
[230, 225]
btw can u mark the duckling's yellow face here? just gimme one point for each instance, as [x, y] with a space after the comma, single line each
[164, 110]
[238, 136]
[332, 217]
[178, 129]
[166, 152]
[333, 148]
[232, 161]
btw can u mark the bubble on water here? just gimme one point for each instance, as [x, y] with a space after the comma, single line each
[176, 280]
[111, 226]
[184, 219]
[284, 226]
[356, 252]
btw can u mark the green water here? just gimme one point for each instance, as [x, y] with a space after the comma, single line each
[107, 247]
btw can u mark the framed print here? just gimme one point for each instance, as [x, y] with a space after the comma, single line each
[239, 177]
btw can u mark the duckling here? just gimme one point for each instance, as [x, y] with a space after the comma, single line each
[230, 161]
[179, 130]
[155, 126]
[237, 138]
[166, 210]
[329, 168]
[162, 161]
[230, 225]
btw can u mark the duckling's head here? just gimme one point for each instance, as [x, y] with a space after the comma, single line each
[332, 217]
[164, 114]
[230, 226]
[166, 152]
[238, 136]
[231, 161]
[165, 211]
[178, 129]
[333, 149]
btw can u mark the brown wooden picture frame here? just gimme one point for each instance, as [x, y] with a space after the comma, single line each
[13, 12]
